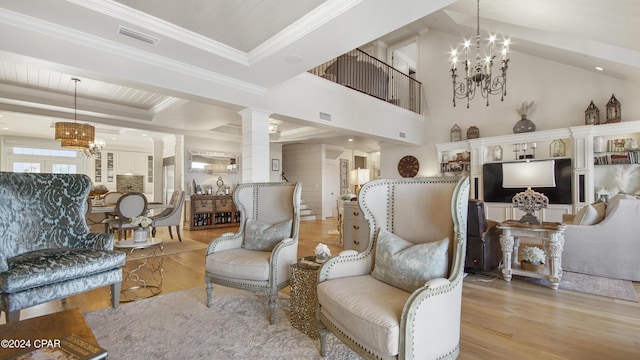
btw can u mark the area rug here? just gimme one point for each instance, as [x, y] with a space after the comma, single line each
[179, 325]
[596, 285]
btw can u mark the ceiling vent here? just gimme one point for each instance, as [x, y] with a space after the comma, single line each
[151, 40]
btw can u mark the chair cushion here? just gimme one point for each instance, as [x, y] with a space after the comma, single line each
[48, 266]
[409, 266]
[366, 308]
[264, 237]
[590, 214]
[239, 264]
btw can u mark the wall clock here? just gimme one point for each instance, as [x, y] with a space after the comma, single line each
[408, 166]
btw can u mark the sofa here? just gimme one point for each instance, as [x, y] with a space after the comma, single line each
[604, 239]
[46, 250]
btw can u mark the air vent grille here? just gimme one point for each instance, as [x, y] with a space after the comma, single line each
[151, 40]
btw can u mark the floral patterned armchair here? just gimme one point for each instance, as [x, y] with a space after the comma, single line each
[401, 297]
[259, 255]
[46, 249]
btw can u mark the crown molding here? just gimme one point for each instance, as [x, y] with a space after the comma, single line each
[124, 13]
[102, 45]
[324, 13]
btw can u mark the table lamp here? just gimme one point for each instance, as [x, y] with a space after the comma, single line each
[358, 177]
[529, 174]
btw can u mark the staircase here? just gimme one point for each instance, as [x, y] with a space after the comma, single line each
[306, 212]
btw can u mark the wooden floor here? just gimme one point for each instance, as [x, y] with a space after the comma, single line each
[500, 320]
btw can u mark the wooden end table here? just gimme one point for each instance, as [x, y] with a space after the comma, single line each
[552, 236]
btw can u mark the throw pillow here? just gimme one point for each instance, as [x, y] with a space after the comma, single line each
[264, 237]
[409, 266]
[590, 214]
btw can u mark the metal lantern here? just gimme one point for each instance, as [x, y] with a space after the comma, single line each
[456, 133]
[613, 110]
[592, 115]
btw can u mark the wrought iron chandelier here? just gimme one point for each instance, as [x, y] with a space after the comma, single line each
[479, 77]
[73, 135]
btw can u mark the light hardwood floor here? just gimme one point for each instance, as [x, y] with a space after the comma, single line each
[500, 320]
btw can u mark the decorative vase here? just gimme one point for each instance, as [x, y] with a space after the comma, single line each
[599, 144]
[141, 235]
[531, 267]
[524, 125]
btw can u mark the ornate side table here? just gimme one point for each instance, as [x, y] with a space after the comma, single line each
[303, 298]
[552, 236]
[142, 273]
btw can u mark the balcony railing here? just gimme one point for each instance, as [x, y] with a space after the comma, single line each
[361, 71]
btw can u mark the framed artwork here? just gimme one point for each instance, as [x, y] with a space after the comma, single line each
[344, 176]
[275, 164]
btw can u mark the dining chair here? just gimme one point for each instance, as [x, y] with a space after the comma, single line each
[128, 207]
[170, 216]
[110, 198]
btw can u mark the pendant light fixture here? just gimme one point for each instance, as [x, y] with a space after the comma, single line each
[478, 77]
[73, 135]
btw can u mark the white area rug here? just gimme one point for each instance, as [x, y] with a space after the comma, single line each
[180, 326]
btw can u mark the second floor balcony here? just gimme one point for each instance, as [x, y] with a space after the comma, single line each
[363, 72]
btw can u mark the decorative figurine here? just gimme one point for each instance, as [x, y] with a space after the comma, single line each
[613, 110]
[473, 132]
[592, 115]
[456, 133]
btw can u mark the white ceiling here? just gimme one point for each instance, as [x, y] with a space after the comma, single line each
[248, 46]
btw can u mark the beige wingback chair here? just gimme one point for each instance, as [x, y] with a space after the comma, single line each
[401, 297]
[259, 255]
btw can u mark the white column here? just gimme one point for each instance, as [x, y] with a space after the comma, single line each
[255, 145]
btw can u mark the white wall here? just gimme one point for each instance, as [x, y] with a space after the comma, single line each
[561, 92]
[201, 144]
[305, 163]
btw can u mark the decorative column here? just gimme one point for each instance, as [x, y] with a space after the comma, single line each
[255, 145]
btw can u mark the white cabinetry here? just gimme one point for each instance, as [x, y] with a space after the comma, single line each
[131, 163]
[616, 168]
[536, 145]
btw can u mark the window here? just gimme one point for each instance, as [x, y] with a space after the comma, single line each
[26, 167]
[63, 168]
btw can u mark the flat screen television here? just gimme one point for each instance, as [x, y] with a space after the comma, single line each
[494, 192]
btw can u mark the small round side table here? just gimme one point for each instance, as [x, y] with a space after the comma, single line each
[142, 273]
[303, 298]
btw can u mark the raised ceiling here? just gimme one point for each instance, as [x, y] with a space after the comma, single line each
[238, 49]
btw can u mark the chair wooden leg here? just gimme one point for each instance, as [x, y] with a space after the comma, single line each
[323, 338]
[115, 294]
[177, 231]
[12, 316]
[209, 294]
[153, 232]
[170, 234]
[272, 308]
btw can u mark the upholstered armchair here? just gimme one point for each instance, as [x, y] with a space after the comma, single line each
[401, 297]
[259, 255]
[46, 249]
